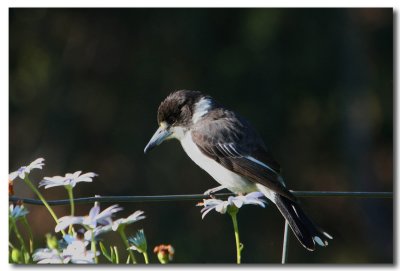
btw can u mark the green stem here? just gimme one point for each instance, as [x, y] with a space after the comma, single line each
[30, 234]
[146, 257]
[20, 239]
[236, 229]
[71, 200]
[36, 191]
[93, 248]
[116, 255]
[10, 244]
[121, 231]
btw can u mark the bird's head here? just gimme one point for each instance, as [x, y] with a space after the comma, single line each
[177, 113]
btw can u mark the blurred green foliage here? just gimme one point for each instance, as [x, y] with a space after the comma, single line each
[85, 85]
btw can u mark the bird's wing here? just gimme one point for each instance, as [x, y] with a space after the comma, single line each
[231, 141]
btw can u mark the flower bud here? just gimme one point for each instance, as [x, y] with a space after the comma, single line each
[165, 253]
[51, 241]
[16, 255]
[10, 188]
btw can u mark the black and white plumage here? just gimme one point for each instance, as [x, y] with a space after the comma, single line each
[226, 146]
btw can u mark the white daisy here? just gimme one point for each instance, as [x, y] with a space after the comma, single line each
[222, 206]
[47, 256]
[70, 179]
[25, 170]
[136, 216]
[95, 217]
[97, 231]
[76, 252]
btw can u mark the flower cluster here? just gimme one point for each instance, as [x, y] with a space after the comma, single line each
[96, 222]
[81, 243]
[83, 230]
[75, 252]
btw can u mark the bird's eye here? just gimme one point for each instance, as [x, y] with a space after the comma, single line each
[171, 120]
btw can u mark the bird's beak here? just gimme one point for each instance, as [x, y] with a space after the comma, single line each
[159, 136]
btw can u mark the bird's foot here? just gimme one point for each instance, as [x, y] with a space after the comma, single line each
[212, 191]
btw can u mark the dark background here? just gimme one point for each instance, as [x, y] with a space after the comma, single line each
[85, 85]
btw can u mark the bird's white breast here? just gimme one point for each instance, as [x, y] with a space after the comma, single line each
[225, 177]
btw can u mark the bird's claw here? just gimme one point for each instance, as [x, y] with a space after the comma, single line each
[208, 192]
[211, 192]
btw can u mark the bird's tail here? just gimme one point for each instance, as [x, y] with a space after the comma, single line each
[303, 228]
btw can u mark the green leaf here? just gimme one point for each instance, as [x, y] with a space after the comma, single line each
[103, 249]
[104, 252]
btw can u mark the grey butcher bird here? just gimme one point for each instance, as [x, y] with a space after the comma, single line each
[228, 148]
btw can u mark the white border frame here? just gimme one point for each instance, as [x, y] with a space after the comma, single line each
[4, 27]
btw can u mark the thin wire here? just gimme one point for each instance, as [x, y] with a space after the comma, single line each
[164, 198]
[343, 194]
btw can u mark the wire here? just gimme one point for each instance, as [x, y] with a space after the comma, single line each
[190, 197]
